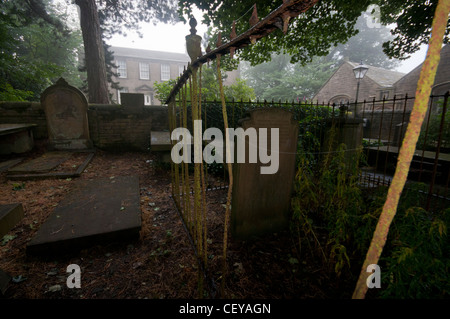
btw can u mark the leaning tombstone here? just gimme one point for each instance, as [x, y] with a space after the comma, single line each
[261, 201]
[66, 112]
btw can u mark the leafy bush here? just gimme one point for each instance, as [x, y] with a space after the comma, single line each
[335, 220]
[416, 259]
[429, 140]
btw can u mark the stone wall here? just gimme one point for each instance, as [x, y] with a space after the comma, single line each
[111, 127]
[387, 121]
[25, 113]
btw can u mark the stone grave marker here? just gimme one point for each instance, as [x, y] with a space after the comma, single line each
[95, 212]
[132, 102]
[261, 202]
[10, 215]
[66, 112]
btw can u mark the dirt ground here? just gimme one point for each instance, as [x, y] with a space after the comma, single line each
[162, 263]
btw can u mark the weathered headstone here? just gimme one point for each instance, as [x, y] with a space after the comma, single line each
[132, 102]
[66, 111]
[261, 202]
[10, 215]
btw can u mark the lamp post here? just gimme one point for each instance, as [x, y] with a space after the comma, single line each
[360, 71]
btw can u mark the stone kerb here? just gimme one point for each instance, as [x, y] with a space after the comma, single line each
[66, 112]
[261, 202]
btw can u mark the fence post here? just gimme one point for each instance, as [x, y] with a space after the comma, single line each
[438, 149]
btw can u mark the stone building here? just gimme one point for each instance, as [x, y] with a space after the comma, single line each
[379, 83]
[341, 86]
[408, 83]
[139, 69]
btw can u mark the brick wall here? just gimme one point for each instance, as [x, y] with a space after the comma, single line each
[111, 127]
[24, 113]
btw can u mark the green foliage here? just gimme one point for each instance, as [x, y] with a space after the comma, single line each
[413, 19]
[322, 27]
[8, 93]
[37, 49]
[416, 259]
[163, 89]
[281, 79]
[327, 195]
[328, 202]
[210, 88]
[428, 140]
[326, 23]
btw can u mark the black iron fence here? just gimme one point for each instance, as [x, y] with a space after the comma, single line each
[384, 124]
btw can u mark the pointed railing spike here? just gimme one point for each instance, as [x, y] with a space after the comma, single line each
[254, 18]
[286, 18]
[219, 40]
[208, 49]
[233, 31]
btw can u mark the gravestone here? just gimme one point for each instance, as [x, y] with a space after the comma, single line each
[66, 112]
[95, 212]
[10, 215]
[261, 202]
[132, 102]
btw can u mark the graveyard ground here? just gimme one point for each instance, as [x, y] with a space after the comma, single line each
[161, 264]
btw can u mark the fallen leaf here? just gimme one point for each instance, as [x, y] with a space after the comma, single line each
[54, 288]
[7, 238]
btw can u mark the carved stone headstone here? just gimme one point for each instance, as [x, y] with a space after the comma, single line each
[66, 111]
[261, 202]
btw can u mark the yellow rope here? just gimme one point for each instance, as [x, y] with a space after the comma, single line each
[408, 147]
[230, 176]
[202, 170]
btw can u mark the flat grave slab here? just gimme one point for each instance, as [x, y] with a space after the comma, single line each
[96, 212]
[42, 164]
[10, 215]
[51, 165]
[6, 165]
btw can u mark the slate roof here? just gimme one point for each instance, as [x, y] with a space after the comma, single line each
[149, 54]
[383, 77]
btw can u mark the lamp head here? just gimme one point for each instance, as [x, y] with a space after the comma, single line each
[360, 70]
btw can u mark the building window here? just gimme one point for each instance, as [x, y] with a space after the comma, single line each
[148, 99]
[144, 71]
[180, 69]
[384, 94]
[122, 90]
[122, 68]
[165, 72]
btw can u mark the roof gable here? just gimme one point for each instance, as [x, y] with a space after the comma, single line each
[383, 77]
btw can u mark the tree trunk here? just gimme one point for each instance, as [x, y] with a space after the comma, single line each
[94, 52]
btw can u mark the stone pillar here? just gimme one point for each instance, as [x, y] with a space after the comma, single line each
[348, 131]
